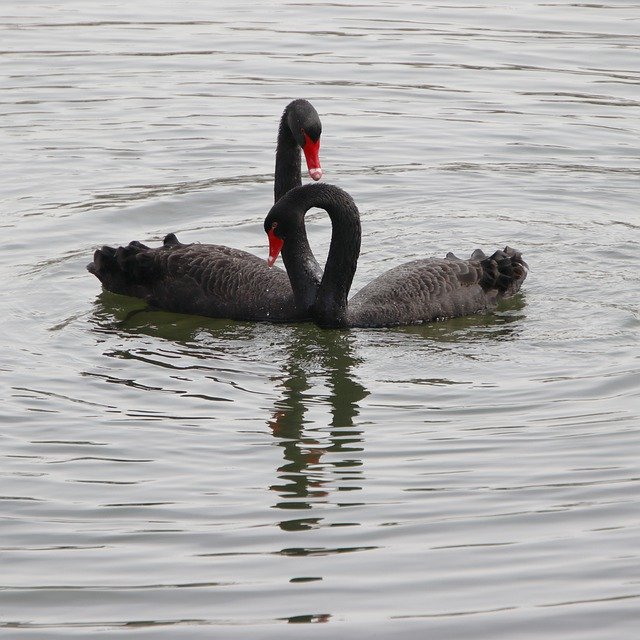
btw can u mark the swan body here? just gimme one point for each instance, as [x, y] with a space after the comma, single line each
[433, 289]
[200, 279]
[412, 293]
[218, 281]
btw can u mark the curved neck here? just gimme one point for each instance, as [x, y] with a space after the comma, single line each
[330, 306]
[287, 173]
[302, 268]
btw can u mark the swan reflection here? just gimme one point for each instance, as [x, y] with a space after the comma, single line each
[315, 375]
[320, 453]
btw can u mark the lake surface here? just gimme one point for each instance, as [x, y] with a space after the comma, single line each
[167, 476]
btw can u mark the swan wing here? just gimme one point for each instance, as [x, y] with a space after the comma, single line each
[203, 279]
[437, 288]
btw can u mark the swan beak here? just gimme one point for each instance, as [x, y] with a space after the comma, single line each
[311, 151]
[275, 246]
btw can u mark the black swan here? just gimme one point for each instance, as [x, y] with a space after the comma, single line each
[415, 292]
[217, 281]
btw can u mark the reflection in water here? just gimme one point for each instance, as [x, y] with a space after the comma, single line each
[504, 323]
[307, 619]
[115, 314]
[321, 453]
[318, 453]
[304, 476]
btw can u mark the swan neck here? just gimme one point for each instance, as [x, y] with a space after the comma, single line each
[302, 268]
[328, 295]
[330, 308]
[288, 163]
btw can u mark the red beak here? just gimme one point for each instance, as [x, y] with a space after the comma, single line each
[311, 151]
[275, 246]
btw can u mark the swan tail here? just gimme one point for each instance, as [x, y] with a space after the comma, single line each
[125, 270]
[504, 271]
[171, 240]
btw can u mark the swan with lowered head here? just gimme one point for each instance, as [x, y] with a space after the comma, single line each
[418, 291]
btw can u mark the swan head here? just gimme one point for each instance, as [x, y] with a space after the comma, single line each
[311, 150]
[285, 223]
[304, 122]
[275, 243]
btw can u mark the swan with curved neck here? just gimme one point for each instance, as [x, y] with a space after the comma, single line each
[218, 281]
[419, 291]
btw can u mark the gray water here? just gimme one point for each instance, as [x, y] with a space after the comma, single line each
[167, 476]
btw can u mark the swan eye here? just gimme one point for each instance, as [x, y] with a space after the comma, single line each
[274, 225]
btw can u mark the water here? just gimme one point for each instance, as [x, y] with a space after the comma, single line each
[170, 476]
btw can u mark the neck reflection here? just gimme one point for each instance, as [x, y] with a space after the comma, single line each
[320, 452]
